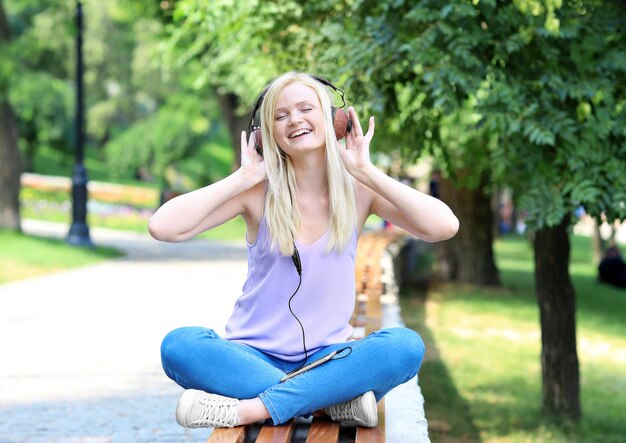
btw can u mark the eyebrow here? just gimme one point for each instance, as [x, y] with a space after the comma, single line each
[303, 102]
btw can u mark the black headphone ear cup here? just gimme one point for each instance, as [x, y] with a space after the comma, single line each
[341, 122]
[258, 140]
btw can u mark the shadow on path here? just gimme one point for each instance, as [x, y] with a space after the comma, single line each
[141, 247]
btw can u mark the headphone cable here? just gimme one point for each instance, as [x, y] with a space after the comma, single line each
[298, 264]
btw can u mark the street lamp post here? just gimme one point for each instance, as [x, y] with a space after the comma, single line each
[79, 230]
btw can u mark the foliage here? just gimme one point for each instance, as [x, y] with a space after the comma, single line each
[227, 44]
[43, 105]
[156, 142]
[530, 91]
[238, 47]
[33, 74]
[536, 89]
[554, 99]
[121, 67]
[125, 83]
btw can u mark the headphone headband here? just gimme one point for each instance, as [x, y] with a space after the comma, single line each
[340, 118]
[261, 97]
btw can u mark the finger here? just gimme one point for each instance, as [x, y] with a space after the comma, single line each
[356, 125]
[252, 140]
[243, 141]
[370, 129]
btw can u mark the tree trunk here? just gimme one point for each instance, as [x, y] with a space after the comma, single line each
[468, 257]
[10, 163]
[229, 103]
[557, 308]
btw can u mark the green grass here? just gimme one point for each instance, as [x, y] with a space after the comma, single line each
[23, 256]
[482, 376]
[233, 230]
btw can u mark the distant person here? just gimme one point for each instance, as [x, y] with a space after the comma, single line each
[304, 198]
[435, 180]
[612, 268]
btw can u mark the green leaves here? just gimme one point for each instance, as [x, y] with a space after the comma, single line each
[532, 91]
[171, 134]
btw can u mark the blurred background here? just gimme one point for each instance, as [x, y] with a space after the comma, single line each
[512, 112]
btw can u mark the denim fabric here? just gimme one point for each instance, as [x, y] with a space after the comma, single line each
[198, 358]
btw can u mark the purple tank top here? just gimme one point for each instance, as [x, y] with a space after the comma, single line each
[324, 302]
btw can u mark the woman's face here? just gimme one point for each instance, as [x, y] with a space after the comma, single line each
[298, 120]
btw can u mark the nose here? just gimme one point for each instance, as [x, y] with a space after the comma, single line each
[295, 118]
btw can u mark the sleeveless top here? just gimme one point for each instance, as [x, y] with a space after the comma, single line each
[324, 302]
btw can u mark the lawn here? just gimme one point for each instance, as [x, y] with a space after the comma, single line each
[23, 256]
[482, 376]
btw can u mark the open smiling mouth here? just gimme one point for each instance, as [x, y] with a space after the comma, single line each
[299, 133]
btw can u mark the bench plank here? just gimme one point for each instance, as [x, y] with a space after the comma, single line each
[323, 431]
[373, 435]
[228, 435]
[277, 434]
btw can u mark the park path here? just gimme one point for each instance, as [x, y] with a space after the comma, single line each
[80, 357]
[80, 348]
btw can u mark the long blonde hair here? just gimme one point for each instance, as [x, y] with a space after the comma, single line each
[281, 213]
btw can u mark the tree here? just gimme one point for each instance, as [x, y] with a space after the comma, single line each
[10, 163]
[555, 96]
[545, 82]
[537, 89]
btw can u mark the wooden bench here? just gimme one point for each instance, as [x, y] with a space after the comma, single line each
[372, 282]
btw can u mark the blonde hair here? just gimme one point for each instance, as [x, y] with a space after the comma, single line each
[281, 213]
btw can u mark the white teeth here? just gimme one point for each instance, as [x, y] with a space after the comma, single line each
[300, 132]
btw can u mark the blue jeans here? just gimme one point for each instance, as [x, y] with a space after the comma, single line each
[198, 358]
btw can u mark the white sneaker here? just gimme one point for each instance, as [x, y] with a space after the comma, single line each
[199, 409]
[360, 411]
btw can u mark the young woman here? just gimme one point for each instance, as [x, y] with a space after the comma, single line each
[304, 202]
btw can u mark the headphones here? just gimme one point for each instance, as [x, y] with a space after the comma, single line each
[341, 122]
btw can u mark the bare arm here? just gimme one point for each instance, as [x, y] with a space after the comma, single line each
[422, 215]
[190, 214]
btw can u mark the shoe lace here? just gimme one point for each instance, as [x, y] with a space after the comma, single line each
[218, 414]
[345, 411]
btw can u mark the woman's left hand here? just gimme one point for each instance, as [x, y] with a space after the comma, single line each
[356, 155]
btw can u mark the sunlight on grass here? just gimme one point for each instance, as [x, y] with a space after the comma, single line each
[233, 230]
[482, 377]
[24, 256]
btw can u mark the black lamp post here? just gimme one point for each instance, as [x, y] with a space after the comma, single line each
[79, 231]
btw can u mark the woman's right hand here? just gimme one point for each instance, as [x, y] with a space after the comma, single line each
[252, 164]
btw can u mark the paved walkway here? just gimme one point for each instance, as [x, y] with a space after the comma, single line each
[80, 349]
